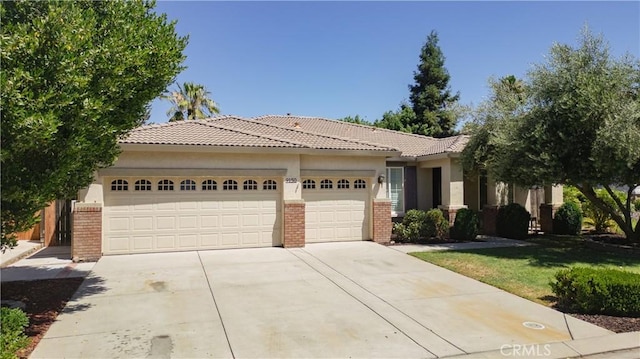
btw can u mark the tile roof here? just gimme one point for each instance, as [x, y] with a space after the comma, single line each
[409, 144]
[292, 132]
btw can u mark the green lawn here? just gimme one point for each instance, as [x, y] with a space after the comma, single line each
[527, 271]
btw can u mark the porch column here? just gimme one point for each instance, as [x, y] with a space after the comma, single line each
[452, 189]
[553, 199]
[293, 208]
[86, 242]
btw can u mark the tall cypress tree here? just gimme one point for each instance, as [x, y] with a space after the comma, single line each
[430, 94]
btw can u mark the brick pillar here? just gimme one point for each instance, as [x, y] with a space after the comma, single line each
[294, 224]
[449, 214]
[86, 232]
[382, 224]
[489, 219]
[547, 211]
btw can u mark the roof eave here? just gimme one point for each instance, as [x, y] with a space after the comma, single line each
[438, 156]
[143, 147]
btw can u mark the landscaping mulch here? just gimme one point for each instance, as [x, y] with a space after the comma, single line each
[44, 300]
[614, 324]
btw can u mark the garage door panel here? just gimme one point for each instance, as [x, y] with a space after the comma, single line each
[188, 222]
[336, 215]
[138, 222]
[142, 243]
[142, 223]
[165, 241]
[188, 241]
[165, 223]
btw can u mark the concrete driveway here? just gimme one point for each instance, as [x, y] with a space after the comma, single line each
[324, 301]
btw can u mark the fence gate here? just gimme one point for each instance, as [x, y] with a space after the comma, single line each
[63, 222]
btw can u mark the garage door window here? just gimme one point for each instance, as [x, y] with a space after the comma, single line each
[359, 184]
[250, 185]
[142, 185]
[209, 185]
[269, 185]
[326, 184]
[230, 185]
[119, 185]
[188, 185]
[343, 184]
[165, 185]
[309, 184]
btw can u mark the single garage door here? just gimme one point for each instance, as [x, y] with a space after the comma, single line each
[143, 215]
[335, 210]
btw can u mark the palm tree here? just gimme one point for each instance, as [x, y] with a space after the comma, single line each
[191, 99]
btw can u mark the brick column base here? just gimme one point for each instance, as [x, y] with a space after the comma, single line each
[382, 224]
[86, 235]
[489, 220]
[547, 211]
[294, 224]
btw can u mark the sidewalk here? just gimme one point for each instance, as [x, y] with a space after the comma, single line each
[487, 242]
[47, 263]
[23, 249]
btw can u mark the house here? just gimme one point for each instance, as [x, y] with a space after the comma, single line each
[231, 182]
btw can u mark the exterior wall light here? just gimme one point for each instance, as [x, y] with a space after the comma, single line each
[381, 179]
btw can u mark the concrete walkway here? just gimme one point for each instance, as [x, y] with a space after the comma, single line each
[23, 249]
[356, 299]
[484, 242]
[45, 263]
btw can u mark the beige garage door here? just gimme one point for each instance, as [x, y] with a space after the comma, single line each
[336, 214]
[164, 215]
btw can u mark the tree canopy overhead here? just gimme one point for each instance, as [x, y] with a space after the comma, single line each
[574, 120]
[75, 77]
[431, 97]
[433, 110]
[190, 101]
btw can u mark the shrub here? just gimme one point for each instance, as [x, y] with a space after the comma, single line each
[600, 219]
[598, 291]
[636, 205]
[568, 219]
[513, 221]
[13, 338]
[436, 225]
[465, 227]
[412, 226]
[572, 194]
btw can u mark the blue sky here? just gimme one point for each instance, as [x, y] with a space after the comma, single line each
[333, 59]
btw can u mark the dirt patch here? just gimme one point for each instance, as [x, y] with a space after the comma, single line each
[44, 300]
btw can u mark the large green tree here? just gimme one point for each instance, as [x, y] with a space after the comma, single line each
[431, 96]
[403, 119]
[190, 101]
[574, 120]
[76, 76]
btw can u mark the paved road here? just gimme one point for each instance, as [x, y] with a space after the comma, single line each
[326, 300]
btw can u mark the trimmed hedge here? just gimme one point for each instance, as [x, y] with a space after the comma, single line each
[513, 221]
[412, 227]
[12, 337]
[436, 225]
[418, 224]
[568, 219]
[465, 227]
[598, 291]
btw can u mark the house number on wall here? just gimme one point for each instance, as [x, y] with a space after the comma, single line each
[291, 180]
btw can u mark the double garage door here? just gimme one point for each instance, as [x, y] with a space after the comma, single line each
[176, 214]
[143, 215]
